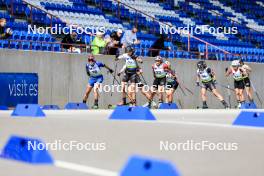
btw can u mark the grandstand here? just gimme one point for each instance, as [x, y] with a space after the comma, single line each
[248, 42]
[56, 92]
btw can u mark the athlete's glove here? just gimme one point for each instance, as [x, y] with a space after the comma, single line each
[88, 73]
[118, 74]
[111, 71]
[214, 81]
[226, 69]
[197, 84]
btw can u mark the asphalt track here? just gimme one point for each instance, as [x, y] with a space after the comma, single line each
[125, 138]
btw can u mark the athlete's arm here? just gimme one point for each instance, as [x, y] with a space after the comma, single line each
[166, 68]
[87, 70]
[198, 80]
[211, 73]
[228, 72]
[154, 75]
[243, 71]
[139, 59]
[122, 70]
[139, 71]
[108, 68]
[247, 68]
[173, 74]
[120, 57]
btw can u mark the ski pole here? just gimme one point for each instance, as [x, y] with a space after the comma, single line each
[183, 86]
[229, 96]
[182, 90]
[145, 82]
[114, 78]
[186, 88]
[131, 100]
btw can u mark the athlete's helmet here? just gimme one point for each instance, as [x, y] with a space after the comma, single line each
[235, 63]
[158, 58]
[201, 65]
[91, 58]
[130, 49]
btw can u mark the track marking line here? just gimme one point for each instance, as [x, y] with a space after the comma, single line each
[209, 124]
[194, 123]
[84, 169]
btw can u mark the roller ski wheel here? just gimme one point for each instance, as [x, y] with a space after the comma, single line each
[122, 104]
[205, 107]
[95, 107]
[152, 106]
[112, 106]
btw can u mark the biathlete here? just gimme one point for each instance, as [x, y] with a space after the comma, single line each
[171, 84]
[93, 70]
[248, 88]
[238, 74]
[160, 70]
[131, 74]
[139, 85]
[206, 76]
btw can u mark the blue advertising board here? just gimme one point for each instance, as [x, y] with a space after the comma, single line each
[18, 88]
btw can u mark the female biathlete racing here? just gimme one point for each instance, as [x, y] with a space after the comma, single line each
[160, 70]
[93, 70]
[139, 85]
[131, 74]
[239, 84]
[247, 82]
[171, 84]
[208, 81]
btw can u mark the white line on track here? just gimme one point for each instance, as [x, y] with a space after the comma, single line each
[84, 169]
[208, 124]
[193, 123]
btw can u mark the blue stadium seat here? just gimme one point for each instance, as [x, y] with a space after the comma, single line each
[170, 54]
[46, 47]
[47, 37]
[138, 51]
[14, 45]
[16, 35]
[25, 45]
[234, 44]
[35, 37]
[142, 44]
[36, 46]
[41, 37]
[57, 47]
[23, 35]
[4, 44]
